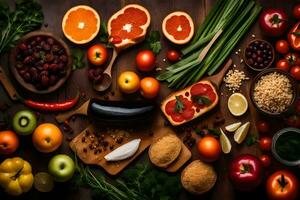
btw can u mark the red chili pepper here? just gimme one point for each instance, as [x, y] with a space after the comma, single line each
[61, 106]
[294, 37]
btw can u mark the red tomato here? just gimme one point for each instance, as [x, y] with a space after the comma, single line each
[283, 64]
[149, 87]
[295, 72]
[263, 127]
[293, 121]
[97, 54]
[273, 22]
[282, 46]
[282, 185]
[265, 160]
[209, 148]
[296, 11]
[173, 55]
[9, 142]
[293, 58]
[265, 143]
[145, 61]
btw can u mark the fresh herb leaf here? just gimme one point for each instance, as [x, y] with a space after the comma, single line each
[104, 35]
[201, 100]
[26, 17]
[153, 41]
[179, 106]
[78, 59]
[251, 140]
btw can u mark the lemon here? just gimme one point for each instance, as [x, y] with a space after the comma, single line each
[225, 142]
[241, 133]
[43, 182]
[237, 104]
[233, 127]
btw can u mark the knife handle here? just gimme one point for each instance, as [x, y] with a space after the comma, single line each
[82, 110]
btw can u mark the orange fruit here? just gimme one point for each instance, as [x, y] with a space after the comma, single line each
[209, 148]
[47, 137]
[178, 27]
[81, 24]
[129, 82]
[149, 87]
[128, 26]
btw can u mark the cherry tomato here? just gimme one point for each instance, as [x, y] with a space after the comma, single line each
[273, 22]
[173, 55]
[209, 148]
[263, 127]
[9, 142]
[296, 11]
[145, 60]
[97, 54]
[149, 87]
[282, 46]
[283, 64]
[295, 72]
[282, 185]
[265, 143]
[265, 160]
[293, 58]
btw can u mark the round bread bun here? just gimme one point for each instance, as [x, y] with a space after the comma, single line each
[165, 150]
[198, 177]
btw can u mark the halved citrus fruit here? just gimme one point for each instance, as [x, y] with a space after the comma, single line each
[178, 27]
[237, 104]
[128, 26]
[81, 24]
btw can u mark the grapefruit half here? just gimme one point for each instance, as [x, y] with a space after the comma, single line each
[128, 26]
[178, 27]
[81, 24]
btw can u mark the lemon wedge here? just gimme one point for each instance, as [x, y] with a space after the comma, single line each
[237, 104]
[225, 142]
[233, 127]
[241, 133]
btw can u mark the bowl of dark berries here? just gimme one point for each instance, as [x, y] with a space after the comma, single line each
[41, 62]
[259, 55]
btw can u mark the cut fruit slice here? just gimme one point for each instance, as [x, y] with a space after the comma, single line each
[237, 104]
[241, 133]
[178, 27]
[233, 127]
[81, 24]
[43, 182]
[225, 142]
[128, 26]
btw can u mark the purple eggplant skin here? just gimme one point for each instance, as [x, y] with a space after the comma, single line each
[121, 112]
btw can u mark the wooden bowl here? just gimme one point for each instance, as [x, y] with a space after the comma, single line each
[294, 88]
[258, 69]
[29, 86]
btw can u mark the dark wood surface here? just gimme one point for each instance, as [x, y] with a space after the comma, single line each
[54, 11]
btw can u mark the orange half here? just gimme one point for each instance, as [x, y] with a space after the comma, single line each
[81, 24]
[178, 27]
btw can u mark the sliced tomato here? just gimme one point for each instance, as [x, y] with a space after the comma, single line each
[186, 113]
[203, 90]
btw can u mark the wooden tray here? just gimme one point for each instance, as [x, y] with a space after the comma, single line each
[112, 168]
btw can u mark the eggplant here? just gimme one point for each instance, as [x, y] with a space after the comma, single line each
[120, 112]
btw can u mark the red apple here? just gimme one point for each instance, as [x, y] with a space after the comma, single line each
[245, 172]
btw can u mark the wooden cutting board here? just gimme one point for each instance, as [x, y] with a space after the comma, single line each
[78, 145]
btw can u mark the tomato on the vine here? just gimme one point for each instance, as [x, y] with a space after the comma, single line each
[265, 143]
[295, 72]
[282, 46]
[283, 64]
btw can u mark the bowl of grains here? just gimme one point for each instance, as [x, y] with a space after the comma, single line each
[273, 92]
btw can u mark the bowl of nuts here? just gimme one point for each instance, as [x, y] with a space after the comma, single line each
[259, 55]
[41, 62]
[273, 92]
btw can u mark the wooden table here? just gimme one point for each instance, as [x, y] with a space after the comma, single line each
[54, 11]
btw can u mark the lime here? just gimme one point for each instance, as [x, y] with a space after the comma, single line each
[237, 104]
[43, 182]
[233, 127]
[241, 133]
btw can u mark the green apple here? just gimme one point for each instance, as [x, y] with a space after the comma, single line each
[61, 167]
[24, 122]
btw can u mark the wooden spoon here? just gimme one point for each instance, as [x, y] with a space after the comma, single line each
[107, 78]
[8, 86]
